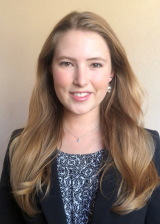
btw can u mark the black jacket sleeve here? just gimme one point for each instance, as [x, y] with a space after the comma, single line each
[153, 210]
[9, 210]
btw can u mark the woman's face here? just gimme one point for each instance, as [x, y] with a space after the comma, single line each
[81, 69]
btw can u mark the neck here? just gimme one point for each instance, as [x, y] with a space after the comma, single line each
[79, 122]
[84, 127]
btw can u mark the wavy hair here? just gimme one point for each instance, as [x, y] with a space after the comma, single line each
[130, 146]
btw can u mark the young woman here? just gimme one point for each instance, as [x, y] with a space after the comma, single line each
[83, 156]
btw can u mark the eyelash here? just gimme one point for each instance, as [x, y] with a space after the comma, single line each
[65, 63]
[96, 65]
[68, 64]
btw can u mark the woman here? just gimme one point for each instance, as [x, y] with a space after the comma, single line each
[83, 156]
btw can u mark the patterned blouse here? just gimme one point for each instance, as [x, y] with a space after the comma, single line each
[79, 181]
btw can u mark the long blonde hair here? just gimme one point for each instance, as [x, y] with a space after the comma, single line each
[130, 146]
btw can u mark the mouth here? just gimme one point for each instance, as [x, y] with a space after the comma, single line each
[80, 96]
[81, 93]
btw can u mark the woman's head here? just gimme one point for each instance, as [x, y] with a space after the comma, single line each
[81, 70]
[124, 81]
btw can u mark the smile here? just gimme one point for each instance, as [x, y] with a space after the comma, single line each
[81, 94]
[81, 97]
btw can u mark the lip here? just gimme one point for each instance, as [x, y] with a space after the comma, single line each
[80, 92]
[80, 99]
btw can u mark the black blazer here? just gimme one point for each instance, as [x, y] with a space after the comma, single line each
[52, 205]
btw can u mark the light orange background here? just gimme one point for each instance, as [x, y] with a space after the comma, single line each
[24, 26]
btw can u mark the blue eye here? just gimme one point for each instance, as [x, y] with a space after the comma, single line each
[96, 65]
[67, 64]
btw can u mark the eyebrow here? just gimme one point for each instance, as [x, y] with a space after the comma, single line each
[88, 59]
[96, 58]
[66, 57]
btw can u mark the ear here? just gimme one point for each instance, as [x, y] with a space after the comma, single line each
[111, 76]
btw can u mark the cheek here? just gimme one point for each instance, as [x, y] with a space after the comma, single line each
[60, 78]
[101, 81]
[59, 83]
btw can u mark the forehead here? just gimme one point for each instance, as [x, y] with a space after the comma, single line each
[81, 42]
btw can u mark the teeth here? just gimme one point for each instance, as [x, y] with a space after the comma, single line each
[81, 94]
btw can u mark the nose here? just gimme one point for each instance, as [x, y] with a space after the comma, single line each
[81, 77]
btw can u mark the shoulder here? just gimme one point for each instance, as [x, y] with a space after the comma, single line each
[154, 133]
[16, 133]
[155, 136]
[6, 163]
[156, 140]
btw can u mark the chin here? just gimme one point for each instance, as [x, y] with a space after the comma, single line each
[81, 111]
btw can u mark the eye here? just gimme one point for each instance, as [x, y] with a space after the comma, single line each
[96, 65]
[66, 64]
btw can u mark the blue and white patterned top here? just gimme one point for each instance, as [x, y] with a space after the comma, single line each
[79, 183]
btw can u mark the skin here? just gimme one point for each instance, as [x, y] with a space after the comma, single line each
[81, 63]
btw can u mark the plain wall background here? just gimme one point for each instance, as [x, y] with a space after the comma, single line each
[24, 26]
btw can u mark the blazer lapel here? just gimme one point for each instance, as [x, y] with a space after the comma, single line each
[52, 204]
[105, 201]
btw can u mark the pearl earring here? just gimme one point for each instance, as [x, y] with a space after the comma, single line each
[109, 89]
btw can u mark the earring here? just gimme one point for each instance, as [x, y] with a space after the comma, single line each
[109, 89]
